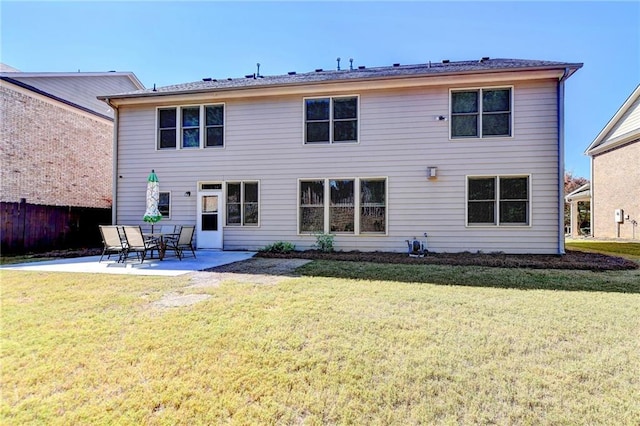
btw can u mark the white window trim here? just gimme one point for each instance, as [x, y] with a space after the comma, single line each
[481, 88]
[241, 224]
[168, 217]
[327, 198]
[497, 202]
[330, 142]
[202, 127]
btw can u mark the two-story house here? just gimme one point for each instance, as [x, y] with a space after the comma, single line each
[56, 151]
[615, 174]
[55, 131]
[470, 153]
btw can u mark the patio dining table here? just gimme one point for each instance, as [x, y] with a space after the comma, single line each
[162, 238]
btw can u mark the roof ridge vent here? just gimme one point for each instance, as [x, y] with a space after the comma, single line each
[445, 61]
[319, 69]
[291, 73]
[361, 67]
[206, 79]
[396, 65]
[484, 58]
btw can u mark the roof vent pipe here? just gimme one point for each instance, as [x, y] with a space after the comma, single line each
[338, 59]
[258, 73]
[350, 64]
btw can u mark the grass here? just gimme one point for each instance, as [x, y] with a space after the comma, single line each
[624, 249]
[94, 349]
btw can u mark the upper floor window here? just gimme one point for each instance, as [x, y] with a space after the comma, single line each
[196, 126]
[498, 200]
[331, 120]
[481, 113]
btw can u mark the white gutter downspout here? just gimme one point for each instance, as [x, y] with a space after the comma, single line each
[114, 190]
[560, 97]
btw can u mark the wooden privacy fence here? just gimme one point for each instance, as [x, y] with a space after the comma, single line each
[32, 227]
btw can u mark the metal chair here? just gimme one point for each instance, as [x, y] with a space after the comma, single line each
[112, 242]
[183, 242]
[138, 243]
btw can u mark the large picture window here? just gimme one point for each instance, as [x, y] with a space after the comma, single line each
[498, 200]
[343, 206]
[187, 127]
[481, 113]
[242, 203]
[331, 120]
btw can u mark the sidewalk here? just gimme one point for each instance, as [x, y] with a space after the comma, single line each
[170, 266]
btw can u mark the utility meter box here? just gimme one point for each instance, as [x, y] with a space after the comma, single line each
[619, 216]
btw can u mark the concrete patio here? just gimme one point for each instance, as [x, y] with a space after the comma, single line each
[170, 266]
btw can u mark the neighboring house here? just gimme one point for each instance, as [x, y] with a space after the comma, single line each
[615, 174]
[579, 202]
[470, 153]
[56, 137]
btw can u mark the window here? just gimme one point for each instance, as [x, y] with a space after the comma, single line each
[191, 127]
[481, 113]
[331, 120]
[355, 206]
[167, 128]
[341, 208]
[242, 204]
[312, 206]
[188, 127]
[373, 207]
[164, 204]
[498, 200]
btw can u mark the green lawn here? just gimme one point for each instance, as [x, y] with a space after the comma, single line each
[624, 249]
[94, 349]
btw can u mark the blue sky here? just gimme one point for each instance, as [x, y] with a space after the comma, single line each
[176, 42]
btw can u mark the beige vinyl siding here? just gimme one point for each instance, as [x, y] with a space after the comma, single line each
[629, 122]
[399, 138]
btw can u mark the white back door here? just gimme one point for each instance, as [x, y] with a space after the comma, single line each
[209, 223]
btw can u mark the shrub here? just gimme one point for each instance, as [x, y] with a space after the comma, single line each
[279, 247]
[324, 242]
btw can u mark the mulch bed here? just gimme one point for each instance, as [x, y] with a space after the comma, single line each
[571, 260]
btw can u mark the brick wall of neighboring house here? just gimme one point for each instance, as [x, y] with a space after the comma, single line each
[53, 155]
[616, 185]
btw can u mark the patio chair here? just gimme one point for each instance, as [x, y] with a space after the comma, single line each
[112, 242]
[139, 244]
[183, 242]
[168, 229]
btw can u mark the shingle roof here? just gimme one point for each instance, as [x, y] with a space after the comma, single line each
[484, 65]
